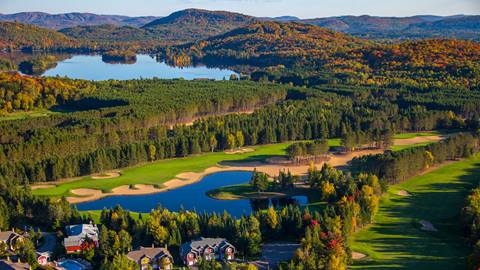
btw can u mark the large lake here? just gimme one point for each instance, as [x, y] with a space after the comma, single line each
[193, 197]
[91, 67]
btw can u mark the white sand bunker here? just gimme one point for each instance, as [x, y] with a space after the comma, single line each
[239, 151]
[106, 175]
[427, 226]
[358, 255]
[42, 186]
[403, 193]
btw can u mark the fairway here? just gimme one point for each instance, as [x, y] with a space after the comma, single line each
[161, 171]
[395, 240]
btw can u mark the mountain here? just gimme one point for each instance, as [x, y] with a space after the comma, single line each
[196, 24]
[59, 21]
[265, 43]
[422, 26]
[107, 32]
[20, 36]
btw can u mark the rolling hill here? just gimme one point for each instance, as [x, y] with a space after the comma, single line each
[196, 24]
[66, 20]
[423, 26]
[107, 32]
[16, 35]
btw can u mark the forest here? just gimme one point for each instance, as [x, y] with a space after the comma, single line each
[118, 124]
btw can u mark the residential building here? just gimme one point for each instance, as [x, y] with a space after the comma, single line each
[80, 237]
[207, 248]
[11, 238]
[152, 258]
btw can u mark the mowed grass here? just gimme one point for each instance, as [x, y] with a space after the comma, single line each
[412, 135]
[157, 173]
[24, 115]
[395, 241]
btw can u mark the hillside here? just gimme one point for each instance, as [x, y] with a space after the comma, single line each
[427, 26]
[65, 20]
[25, 36]
[271, 43]
[107, 32]
[196, 24]
[317, 55]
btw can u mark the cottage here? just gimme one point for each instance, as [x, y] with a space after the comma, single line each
[207, 248]
[8, 265]
[11, 238]
[152, 258]
[78, 236]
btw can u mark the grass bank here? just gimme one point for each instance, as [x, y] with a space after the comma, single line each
[395, 241]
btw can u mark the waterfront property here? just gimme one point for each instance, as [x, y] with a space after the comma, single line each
[207, 248]
[80, 237]
[154, 258]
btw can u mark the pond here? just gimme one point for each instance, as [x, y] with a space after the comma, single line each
[92, 67]
[193, 197]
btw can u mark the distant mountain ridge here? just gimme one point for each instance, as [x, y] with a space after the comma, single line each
[65, 20]
[196, 24]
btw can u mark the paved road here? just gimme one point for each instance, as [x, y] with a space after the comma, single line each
[275, 253]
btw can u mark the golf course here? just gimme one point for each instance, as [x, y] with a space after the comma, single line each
[171, 173]
[396, 240]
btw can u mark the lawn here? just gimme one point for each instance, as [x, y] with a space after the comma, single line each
[161, 171]
[157, 173]
[24, 115]
[395, 241]
[411, 135]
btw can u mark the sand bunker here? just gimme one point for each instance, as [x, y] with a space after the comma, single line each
[106, 175]
[42, 186]
[403, 193]
[187, 178]
[419, 139]
[239, 151]
[358, 255]
[427, 226]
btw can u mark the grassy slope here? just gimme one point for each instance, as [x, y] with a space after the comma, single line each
[394, 240]
[161, 171]
[164, 170]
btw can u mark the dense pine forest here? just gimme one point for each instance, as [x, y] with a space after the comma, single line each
[300, 84]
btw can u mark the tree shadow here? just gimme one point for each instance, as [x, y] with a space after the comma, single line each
[405, 244]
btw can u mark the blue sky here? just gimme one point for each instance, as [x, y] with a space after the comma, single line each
[300, 8]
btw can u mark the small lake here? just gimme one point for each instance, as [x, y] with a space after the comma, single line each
[92, 67]
[193, 197]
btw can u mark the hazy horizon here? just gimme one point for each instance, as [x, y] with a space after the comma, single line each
[260, 8]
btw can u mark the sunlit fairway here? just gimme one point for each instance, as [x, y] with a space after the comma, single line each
[161, 171]
[395, 240]
[157, 173]
[25, 115]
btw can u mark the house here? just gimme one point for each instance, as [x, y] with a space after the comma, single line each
[80, 237]
[207, 248]
[11, 238]
[152, 258]
[8, 265]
